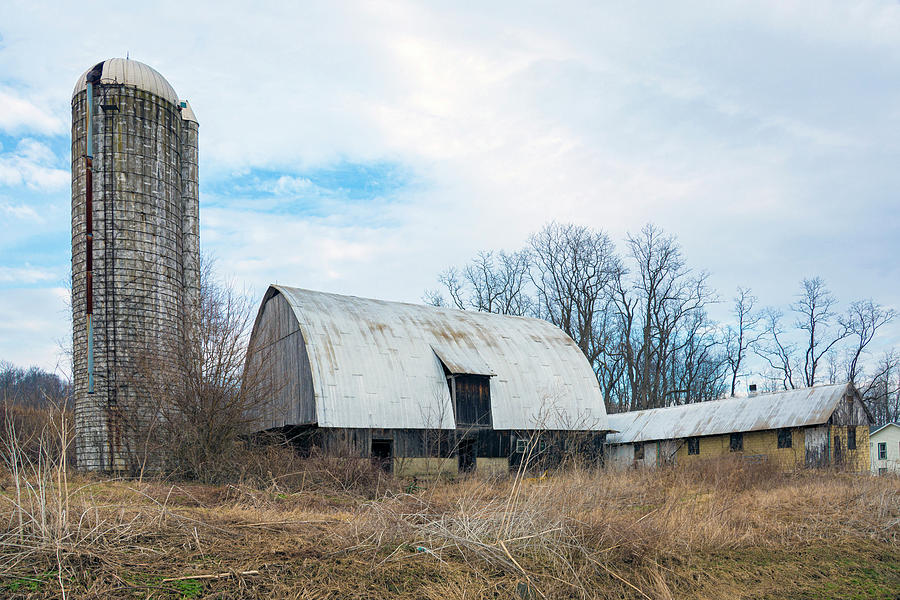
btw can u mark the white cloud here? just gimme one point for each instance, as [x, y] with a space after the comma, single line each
[21, 212]
[26, 275]
[287, 185]
[18, 115]
[32, 164]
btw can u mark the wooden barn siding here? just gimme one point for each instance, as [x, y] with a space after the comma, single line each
[425, 443]
[850, 412]
[279, 342]
[473, 401]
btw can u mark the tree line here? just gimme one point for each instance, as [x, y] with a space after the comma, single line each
[32, 387]
[641, 317]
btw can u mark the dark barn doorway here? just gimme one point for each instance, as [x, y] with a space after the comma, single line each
[382, 453]
[466, 453]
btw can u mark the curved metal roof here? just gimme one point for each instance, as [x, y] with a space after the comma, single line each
[381, 364]
[131, 73]
[791, 408]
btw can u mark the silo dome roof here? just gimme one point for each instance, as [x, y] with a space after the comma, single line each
[133, 73]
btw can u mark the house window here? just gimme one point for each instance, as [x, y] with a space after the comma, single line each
[737, 442]
[784, 438]
[693, 445]
[851, 438]
[639, 451]
[882, 450]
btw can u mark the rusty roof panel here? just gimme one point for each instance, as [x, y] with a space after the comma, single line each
[791, 408]
[465, 360]
[376, 364]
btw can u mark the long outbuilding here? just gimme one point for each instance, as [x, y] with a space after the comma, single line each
[422, 388]
[817, 426]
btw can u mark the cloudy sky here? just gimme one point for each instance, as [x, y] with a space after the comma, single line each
[363, 147]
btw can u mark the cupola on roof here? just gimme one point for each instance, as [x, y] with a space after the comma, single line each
[131, 73]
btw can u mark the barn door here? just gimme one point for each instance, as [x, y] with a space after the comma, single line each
[382, 454]
[816, 446]
[467, 455]
[472, 400]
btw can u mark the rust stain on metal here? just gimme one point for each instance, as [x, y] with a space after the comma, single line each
[791, 408]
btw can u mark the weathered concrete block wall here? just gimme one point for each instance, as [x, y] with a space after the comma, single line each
[762, 445]
[145, 257]
[852, 459]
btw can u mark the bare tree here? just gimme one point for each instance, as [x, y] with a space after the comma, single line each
[450, 279]
[434, 297]
[882, 393]
[815, 307]
[32, 387]
[574, 268]
[655, 308]
[495, 282]
[498, 283]
[191, 409]
[740, 338]
[774, 348]
[863, 320]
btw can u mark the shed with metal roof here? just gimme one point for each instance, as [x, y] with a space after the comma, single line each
[819, 425]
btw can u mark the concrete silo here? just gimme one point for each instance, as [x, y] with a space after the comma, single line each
[135, 246]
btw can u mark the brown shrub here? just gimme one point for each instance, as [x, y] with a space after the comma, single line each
[36, 430]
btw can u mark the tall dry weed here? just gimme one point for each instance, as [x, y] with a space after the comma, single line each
[577, 525]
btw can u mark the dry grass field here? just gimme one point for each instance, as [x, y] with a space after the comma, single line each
[338, 529]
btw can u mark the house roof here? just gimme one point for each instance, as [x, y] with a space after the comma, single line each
[382, 364]
[791, 408]
[874, 430]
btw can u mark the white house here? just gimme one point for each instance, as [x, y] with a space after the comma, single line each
[884, 446]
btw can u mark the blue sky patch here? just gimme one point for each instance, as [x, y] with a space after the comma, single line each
[314, 192]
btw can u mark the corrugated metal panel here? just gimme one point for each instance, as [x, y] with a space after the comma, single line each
[133, 73]
[374, 365]
[462, 361]
[792, 408]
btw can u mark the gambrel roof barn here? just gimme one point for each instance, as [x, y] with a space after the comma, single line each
[356, 362]
[375, 367]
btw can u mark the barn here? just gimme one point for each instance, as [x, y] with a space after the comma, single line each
[814, 427]
[422, 389]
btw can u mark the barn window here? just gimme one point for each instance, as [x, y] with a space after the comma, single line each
[521, 445]
[737, 442]
[639, 451]
[693, 445]
[784, 438]
[851, 438]
[882, 450]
